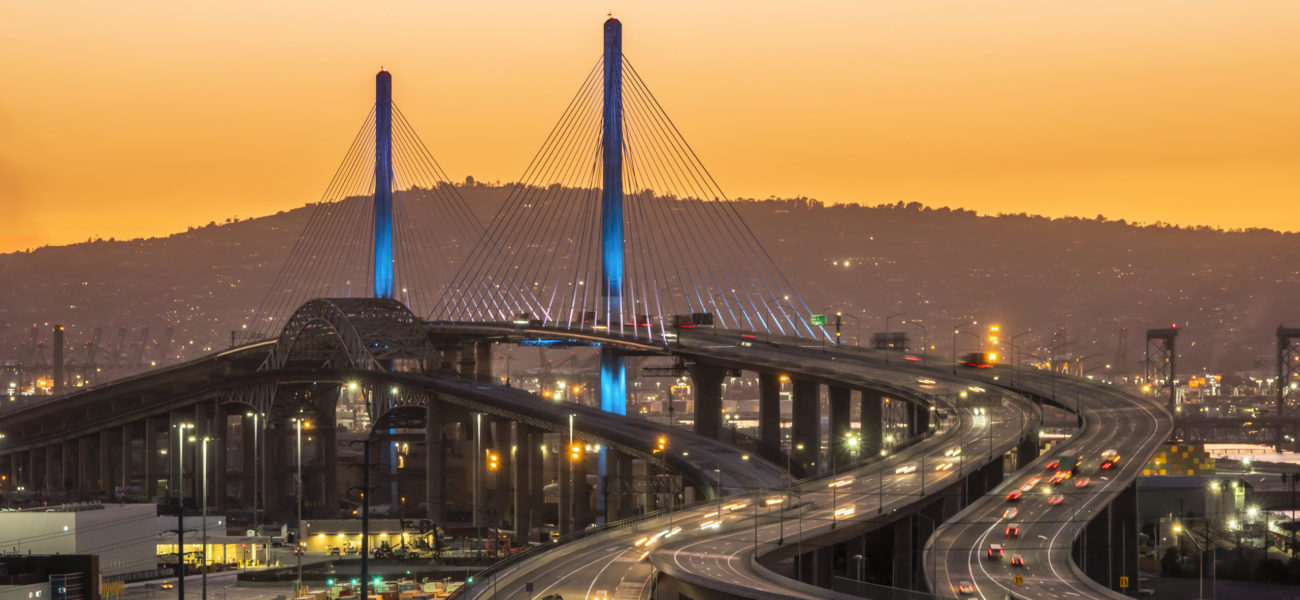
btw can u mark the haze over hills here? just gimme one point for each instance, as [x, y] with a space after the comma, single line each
[1226, 290]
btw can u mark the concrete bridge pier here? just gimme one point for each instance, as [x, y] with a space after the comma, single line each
[149, 457]
[434, 460]
[871, 422]
[248, 460]
[68, 452]
[483, 361]
[805, 428]
[564, 477]
[1107, 550]
[707, 381]
[467, 364]
[841, 423]
[521, 466]
[106, 469]
[769, 416]
[44, 471]
[1027, 450]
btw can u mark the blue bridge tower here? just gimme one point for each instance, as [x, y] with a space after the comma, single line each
[613, 372]
[383, 285]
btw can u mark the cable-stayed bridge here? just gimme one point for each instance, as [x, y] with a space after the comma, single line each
[395, 298]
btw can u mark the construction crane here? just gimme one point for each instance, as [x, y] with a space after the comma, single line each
[137, 349]
[166, 343]
[115, 353]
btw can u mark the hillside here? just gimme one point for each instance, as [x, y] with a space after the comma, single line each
[1228, 290]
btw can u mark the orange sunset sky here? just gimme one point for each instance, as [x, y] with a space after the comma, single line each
[134, 118]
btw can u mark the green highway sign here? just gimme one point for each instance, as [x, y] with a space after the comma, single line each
[819, 319]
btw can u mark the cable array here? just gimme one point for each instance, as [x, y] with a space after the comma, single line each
[686, 248]
[433, 230]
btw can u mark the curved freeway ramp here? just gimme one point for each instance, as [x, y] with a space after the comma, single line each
[1049, 517]
[711, 546]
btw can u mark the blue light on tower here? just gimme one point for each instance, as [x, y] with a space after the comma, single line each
[613, 375]
[383, 185]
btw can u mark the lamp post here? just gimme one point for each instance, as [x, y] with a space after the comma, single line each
[924, 348]
[573, 492]
[857, 327]
[888, 343]
[180, 508]
[793, 488]
[1015, 351]
[204, 566]
[478, 449]
[297, 536]
[955, 328]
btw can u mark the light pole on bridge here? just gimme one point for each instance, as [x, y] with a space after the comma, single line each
[955, 328]
[888, 342]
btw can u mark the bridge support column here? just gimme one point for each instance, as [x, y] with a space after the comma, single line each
[823, 561]
[618, 503]
[769, 416]
[904, 558]
[805, 426]
[581, 495]
[127, 433]
[248, 461]
[1027, 451]
[521, 466]
[87, 478]
[466, 366]
[841, 423]
[148, 459]
[870, 423]
[1107, 550]
[52, 475]
[564, 477]
[483, 361]
[919, 423]
[105, 475]
[535, 499]
[707, 380]
[434, 460]
[220, 446]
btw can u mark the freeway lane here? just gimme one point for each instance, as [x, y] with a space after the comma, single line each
[610, 561]
[726, 561]
[1132, 426]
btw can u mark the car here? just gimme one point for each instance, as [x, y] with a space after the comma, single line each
[1108, 464]
[335, 551]
[1029, 485]
[965, 587]
[1057, 499]
[953, 452]
[1014, 496]
[905, 469]
[1017, 560]
[167, 585]
[944, 467]
[1082, 482]
[1051, 466]
[600, 595]
[1013, 530]
[995, 551]
[1010, 513]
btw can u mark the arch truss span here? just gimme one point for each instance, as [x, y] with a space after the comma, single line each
[359, 333]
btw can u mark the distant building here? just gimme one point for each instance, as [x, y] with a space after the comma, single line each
[50, 577]
[123, 536]
[1181, 459]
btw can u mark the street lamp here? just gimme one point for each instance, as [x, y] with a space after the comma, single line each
[1015, 351]
[924, 348]
[180, 508]
[955, 328]
[887, 341]
[257, 520]
[298, 424]
[204, 566]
